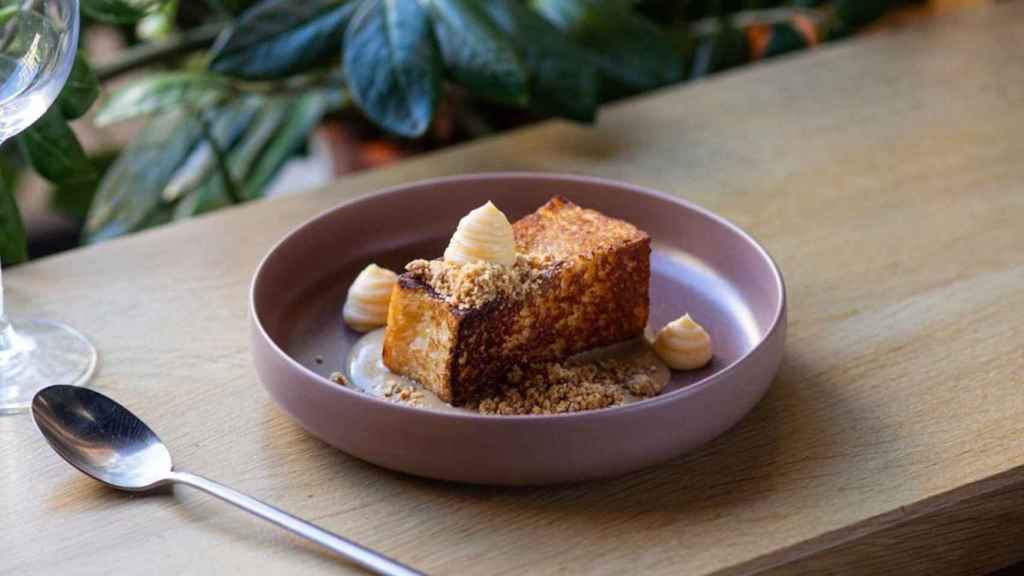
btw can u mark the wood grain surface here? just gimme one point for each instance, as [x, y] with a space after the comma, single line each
[885, 175]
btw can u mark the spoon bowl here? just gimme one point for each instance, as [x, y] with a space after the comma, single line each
[106, 441]
[101, 438]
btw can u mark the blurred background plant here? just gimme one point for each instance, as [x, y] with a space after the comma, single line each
[231, 90]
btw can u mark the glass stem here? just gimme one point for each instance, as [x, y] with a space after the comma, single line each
[6, 332]
[8, 339]
[4, 324]
[3, 315]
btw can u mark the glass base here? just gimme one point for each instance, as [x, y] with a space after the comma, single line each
[35, 354]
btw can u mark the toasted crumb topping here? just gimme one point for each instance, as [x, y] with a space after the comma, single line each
[339, 378]
[560, 387]
[404, 394]
[473, 284]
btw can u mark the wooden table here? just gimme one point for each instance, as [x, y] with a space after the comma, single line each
[885, 175]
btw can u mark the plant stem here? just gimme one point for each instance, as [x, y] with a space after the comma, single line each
[222, 164]
[289, 87]
[153, 53]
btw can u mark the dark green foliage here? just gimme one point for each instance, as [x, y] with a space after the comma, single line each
[223, 122]
[129, 196]
[724, 50]
[12, 232]
[303, 115]
[277, 38]
[785, 38]
[391, 66]
[564, 80]
[74, 198]
[170, 172]
[119, 11]
[54, 151]
[159, 92]
[476, 54]
[631, 51]
[80, 91]
[853, 14]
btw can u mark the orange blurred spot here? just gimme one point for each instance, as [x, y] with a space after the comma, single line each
[378, 153]
[805, 26]
[758, 38]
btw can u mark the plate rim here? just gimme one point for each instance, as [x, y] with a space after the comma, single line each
[676, 395]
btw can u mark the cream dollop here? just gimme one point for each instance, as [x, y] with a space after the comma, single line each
[683, 344]
[483, 234]
[366, 306]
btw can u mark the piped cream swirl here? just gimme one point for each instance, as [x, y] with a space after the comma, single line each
[484, 234]
[366, 306]
[683, 344]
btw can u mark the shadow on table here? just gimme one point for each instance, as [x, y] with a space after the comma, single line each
[81, 490]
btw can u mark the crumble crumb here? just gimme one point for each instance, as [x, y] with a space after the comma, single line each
[408, 395]
[560, 387]
[339, 378]
[473, 284]
[642, 385]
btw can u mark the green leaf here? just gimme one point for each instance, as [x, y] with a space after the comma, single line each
[303, 115]
[476, 54]
[163, 163]
[80, 91]
[564, 80]
[8, 12]
[54, 149]
[74, 198]
[391, 66]
[209, 196]
[630, 50]
[848, 15]
[9, 171]
[158, 92]
[12, 231]
[119, 11]
[129, 195]
[277, 38]
[211, 193]
[725, 49]
[227, 126]
[785, 38]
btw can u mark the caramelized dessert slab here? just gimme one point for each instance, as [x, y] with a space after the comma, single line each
[580, 281]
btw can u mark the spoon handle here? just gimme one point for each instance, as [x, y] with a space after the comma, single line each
[365, 557]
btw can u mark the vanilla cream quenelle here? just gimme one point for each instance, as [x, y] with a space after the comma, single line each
[683, 344]
[366, 305]
[485, 234]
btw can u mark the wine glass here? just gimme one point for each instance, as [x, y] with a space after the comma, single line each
[38, 39]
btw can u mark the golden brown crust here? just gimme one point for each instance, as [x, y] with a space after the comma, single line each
[561, 230]
[593, 291]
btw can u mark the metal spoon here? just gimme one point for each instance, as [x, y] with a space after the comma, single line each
[106, 441]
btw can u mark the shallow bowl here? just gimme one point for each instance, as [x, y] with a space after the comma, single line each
[701, 264]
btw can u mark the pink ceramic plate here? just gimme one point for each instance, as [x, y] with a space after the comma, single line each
[701, 264]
